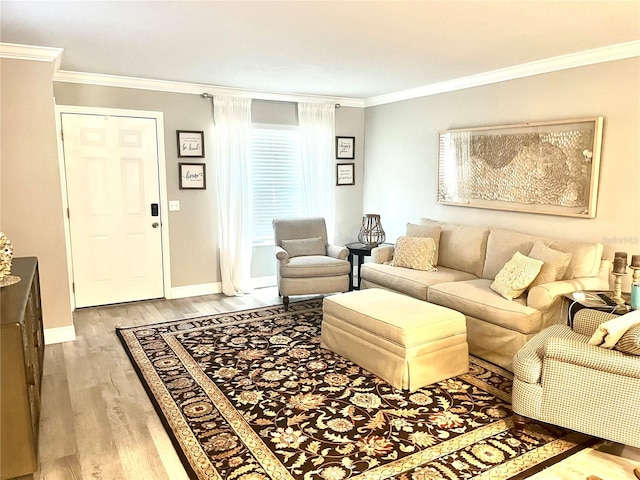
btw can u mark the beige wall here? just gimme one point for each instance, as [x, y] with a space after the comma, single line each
[193, 234]
[401, 150]
[32, 215]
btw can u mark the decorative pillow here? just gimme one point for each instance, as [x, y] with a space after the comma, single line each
[433, 231]
[414, 252]
[630, 341]
[555, 263]
[304, 246]
[516, 275]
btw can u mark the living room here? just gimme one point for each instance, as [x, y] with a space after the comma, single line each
[395, 154]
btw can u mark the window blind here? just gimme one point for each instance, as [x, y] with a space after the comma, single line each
[276, 177]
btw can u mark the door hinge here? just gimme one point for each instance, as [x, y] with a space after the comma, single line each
[62, 135]
[68, 215]
[73, 287]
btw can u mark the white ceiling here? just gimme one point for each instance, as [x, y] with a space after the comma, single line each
[353, 49]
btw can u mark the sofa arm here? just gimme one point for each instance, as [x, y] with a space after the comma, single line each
[337, 252]
[281, 254]
[542, 297]
[382, 254]
[587, 320]
[592, 357]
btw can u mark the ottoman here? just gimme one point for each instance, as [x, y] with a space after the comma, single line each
[407, 342]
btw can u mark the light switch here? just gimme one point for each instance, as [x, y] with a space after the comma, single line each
[174, 205]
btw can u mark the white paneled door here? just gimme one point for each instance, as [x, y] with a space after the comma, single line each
[113, 192]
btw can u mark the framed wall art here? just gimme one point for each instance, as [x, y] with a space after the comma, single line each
[344, 174]
[192, 176]
[345, 148]
[546, 167]
[190, 143]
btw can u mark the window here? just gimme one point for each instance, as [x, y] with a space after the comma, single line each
[276, 178]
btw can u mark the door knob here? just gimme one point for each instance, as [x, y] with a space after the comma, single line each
[155, 224]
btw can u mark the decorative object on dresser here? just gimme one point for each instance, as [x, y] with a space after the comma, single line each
[371, 232]
[6, 254]
[21, 356]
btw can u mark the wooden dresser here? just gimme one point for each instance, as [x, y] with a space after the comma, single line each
[21, 352]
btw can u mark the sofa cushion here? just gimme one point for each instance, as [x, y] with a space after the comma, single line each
[517, 274]
[415, 253]
[432, 231]
[555, 263]
[410, 282]
[501, 245]
[304, 246]
[585, 259]
[462, 247]
[314, 266]
[476, 299]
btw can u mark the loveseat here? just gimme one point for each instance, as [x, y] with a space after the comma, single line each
[467, 260]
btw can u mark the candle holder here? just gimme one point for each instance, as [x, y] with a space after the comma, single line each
[635, 277]
[617, 289]
[371, 232]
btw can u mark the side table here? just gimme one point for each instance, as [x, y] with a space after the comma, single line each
[360, 250]
[592, 301]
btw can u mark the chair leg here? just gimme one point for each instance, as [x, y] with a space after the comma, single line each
[285, 301]
[518, 424]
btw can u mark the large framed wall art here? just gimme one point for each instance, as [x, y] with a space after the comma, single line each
[547, 167]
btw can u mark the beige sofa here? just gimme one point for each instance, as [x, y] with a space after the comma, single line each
[468, 259]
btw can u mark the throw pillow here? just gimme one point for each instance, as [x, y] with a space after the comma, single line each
[555, 263]
[516, 275]
[304, 246]
[630, 341]
[414, 252]
[433, 231]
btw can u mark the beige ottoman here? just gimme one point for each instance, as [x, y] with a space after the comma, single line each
[407, 342]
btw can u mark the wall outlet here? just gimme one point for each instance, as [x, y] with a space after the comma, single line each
[174, 205]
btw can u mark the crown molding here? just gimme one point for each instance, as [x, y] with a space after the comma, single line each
[30, 52]
[580, 59]
[195, 88]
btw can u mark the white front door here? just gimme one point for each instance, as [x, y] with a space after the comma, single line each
[111, 165]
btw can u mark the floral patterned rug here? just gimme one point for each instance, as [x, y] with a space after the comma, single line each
[250, 395]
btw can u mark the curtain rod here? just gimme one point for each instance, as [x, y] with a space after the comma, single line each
[209, 95]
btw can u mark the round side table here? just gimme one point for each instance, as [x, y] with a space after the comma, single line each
[360, 250]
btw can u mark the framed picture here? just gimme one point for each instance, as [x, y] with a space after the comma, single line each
[344, 174]
[192, 176]
[345, 148]
[190, 143]
[548, 168]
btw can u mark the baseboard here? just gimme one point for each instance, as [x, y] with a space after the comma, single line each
[262, 282]
[196, 290]
[59, 335]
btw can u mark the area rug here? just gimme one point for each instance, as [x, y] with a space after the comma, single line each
[251, 395]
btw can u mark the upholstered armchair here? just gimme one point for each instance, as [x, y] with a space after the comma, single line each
[307, 264]
[559, 378]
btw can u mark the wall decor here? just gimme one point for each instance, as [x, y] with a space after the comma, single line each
[345, 148]
[192, 176]
[344, 174]
[546, 167]
[190, 143]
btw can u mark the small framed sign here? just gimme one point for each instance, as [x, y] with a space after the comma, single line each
[190, 143]
[192, 176]
[344, 174]
[345, 148]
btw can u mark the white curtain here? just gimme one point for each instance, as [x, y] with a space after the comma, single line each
[317, 127]
[232, 120]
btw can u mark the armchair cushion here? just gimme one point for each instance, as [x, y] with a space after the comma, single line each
[304, 246]
[314, 266]
[630, 341]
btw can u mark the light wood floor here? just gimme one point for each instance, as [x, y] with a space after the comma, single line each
[97, 422]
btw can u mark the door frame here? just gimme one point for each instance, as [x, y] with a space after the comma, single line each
[162, 184]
